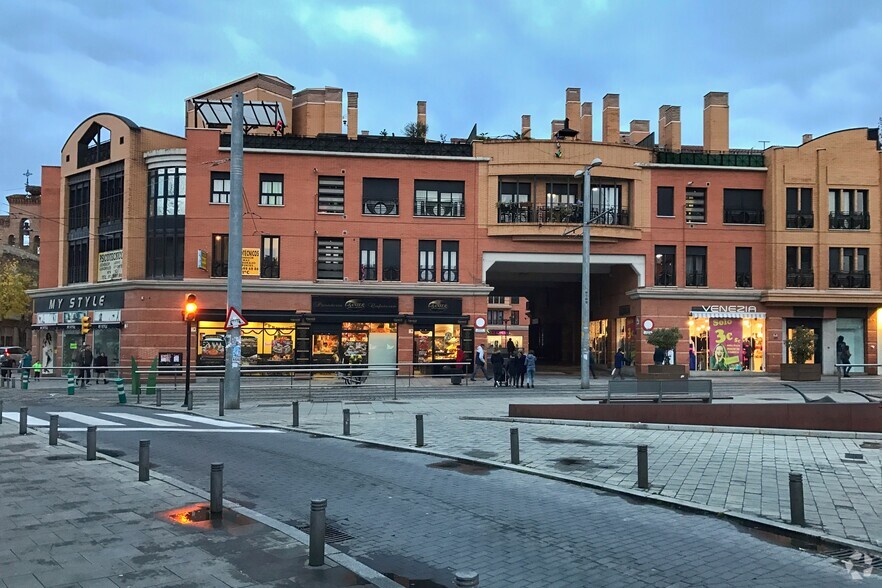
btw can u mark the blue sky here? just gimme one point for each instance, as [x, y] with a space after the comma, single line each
[790, 67]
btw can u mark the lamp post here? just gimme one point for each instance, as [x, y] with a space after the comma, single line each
[189, 316]
[585, 359]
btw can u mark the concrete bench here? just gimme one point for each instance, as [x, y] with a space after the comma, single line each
[683, 390]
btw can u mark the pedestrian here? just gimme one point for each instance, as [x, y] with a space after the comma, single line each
[530, 365]
[480, 363]
[522, 368]
[846, 359]
[658, 356]
[498, 364]
[591, 363]
[86, 363]
[514, 370]
[101, 367]
[6, 366]
[510, 347]
[840, 347]
[618, 363]
[38, 369]
[27, 361]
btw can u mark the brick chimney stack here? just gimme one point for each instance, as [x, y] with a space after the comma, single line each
[611, 127]
[421, 112]
[574, 97]
[806, 138]
[333, 110]
[586, 124]
[639, 131]
[662, 121]
[672, 126]
[525, 126]
[352, 114]
[716, 121]
[556, 125]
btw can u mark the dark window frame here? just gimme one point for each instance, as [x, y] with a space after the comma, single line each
[664, 202]
[268, 195]
[849, 267]
[166, 221]
[433, 203]
[427, 261]
[743, 267]
[220, 188]
[665, 265]
[449, 261]
[696, 266]
[78, 261]
[391, 260]
[799, 208]
[799, 267]
[368, 254]
[270, 256]
[380, 196]
[737, 208]
[220, 249]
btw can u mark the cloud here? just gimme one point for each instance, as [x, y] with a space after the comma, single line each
[383, 26]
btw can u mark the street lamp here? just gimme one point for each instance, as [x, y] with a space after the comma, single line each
[189, 315]
[585, 359]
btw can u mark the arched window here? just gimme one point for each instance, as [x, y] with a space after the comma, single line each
[24, 232]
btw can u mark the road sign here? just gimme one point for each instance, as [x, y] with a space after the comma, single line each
[234, 319]
[648, 324]
[480, 322]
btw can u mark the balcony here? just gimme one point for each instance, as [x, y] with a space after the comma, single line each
[454, 209]
[800, 279]
[527, 212]
[663, 278]
[391, 273]
[379, 207]
[748, 159]
[745, 216]
[849, 279]
[850, 220]
[800, 220]
[743, 280]
[696, 279]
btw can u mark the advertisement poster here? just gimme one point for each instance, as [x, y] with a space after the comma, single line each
[725, 343]
[250, 261]
[110, 265]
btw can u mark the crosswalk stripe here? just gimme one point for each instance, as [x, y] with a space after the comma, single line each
[86, 419]
[32, 421]
[143, 419]
[166, 430]
[206, 421]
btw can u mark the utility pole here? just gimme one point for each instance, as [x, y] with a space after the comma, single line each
[585, 359]
[233, 355]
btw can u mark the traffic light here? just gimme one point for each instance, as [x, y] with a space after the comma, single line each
[190, 308]
[86, 324]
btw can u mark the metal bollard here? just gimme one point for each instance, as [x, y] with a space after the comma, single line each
[463, 579]
[295, 414]
[515, 446]
[420, 440]
[190, 400]
[23, 420]
[53, 429]
[71, 384]
[144, 460]
[220, 398]
[317, 532]
[121, 391]
[217, 490]
[91, 442]
[158, 397]
[1, 412]
[797, 505]
[346, 421]
[643, 467]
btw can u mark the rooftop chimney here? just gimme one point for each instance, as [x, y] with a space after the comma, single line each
[806, 138]
[421, 113]
[716, 121]
[672, 128]
[352, 114]
[333, 110]
[639, 131]
[574, 96]
[611, 131]
[525, 126]
[587, 123]
[556, 125]
[662, 121]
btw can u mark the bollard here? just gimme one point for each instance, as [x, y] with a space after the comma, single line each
[643, 467]
[23, 420]
[295, 414]
[121, 391]
[91, 442]
[317, 532]
[463, 579]
[220, 398]
[53, 429]
[515, 447]
[144, 460]
[71, 384]
[1, 412]
[25, 379]
[190, 400]
[158, 397]
[346, 421]
[797, 505]
[217, 490]
[419, 431]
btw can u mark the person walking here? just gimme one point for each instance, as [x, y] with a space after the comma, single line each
[101, 367]
[522, 368]
[658, 356]
[514, 370]
[498, 364]
[27, 361]
[480, 363]
[7, 364]
[618, 363]
[846, 359]
[591, 363]
[38, 369]
[460, 359]
[510, 347]
[840, 347]
[530, 366]
[86, 363]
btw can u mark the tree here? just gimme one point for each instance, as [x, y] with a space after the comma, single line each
[14, 281]
[416, 130]
[664, 339]
[801, 344]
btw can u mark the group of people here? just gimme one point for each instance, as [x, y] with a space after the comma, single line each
[25, 365]
[87, 363]
[509, 368]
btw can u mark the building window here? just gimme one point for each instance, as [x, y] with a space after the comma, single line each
[367, 265]
[78, 261]
[800, 214]
[515, 317]
[696, 266]
[848, 209]
[330, 259]
[269, 256]
[665, 201]
[110, 242]
[696, 205]
[220, 188]
[449, 261]
[426, 261]
[379, 196]
[849, 267]
[220, 245]
[271, 189]
[743, 267]
[496, 300]
[514, 203]
[665, 265]
[495, 317]
[438, 198]
[166, 207]
[94, 146]
[330, 194]
[391, 260]
[110, 198]
[515, 299]
[744, 207]
[78, 205]
[607, 205]
[800, 270]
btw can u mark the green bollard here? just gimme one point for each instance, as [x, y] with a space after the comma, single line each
[71, 386]
[25, 377]
[121, 390]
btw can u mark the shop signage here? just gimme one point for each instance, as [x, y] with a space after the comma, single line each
[47, 318]
[110, 265]
[250, 261]
[80, 302]
[106, 316]
[73, 317]
[724, 309]
[355, 304]
[441, 306]
[201, 260]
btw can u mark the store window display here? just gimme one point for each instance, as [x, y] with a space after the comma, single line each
[727, 344]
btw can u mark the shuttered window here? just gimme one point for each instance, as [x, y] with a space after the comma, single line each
[330, 259]
[330, 194]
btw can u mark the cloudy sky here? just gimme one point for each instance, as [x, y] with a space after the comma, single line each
[790, 67]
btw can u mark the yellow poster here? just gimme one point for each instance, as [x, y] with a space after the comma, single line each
[250, 261]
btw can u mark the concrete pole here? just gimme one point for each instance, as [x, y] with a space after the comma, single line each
[233, 356]
[584, 359]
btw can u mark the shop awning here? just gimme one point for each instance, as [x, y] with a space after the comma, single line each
[727, 314]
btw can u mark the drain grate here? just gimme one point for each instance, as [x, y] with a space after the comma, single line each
[862, 564]
[332, 534]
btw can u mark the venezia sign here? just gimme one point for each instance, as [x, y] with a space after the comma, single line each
[724, 308]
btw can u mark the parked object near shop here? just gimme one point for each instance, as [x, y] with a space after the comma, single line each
[665, 340]
[801, 348]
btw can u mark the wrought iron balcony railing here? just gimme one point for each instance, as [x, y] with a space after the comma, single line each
[379, 207]
[849, 279]
[527, 212]
[696, 279]
[743, 280]
[800, 279]
[744, 216]
[800, 220]
[850, 220]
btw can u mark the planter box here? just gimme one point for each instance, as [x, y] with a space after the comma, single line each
[663, 372]
[800, 372]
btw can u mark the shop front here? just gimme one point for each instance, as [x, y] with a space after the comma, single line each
[727, 338]
[439, 328]
[354, 330]
[269, 338]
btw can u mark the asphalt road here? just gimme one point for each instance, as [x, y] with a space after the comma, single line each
[421, 518]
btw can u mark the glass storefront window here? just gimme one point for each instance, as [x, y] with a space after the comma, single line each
[262, 343]
[727, 344]
[437, 344]
[502, 340]
[325, 348]
[355, 347]
[599, 331]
